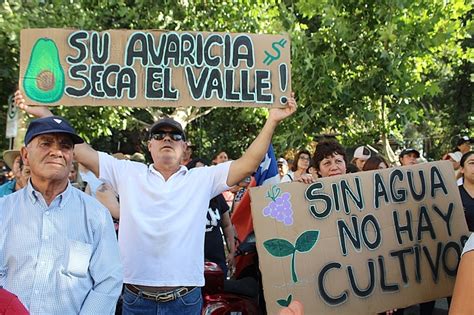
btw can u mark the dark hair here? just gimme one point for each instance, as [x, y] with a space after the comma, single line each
[351, 168]
[193, 162]
[294, 166]
[464, 157]
[373, 163]
[327, 148]
[217, 154]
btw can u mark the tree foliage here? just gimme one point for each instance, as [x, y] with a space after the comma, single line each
[364, 69]
[395, 70]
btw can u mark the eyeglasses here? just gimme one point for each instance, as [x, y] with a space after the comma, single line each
[174, 135]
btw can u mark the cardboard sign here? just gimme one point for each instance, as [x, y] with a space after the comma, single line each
[361, 243]
[154, 68]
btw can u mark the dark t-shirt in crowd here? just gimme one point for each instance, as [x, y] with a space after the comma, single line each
[214, 245]
[468, 204]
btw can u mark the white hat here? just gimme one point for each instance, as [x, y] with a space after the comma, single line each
[362, 153]
[456, 156]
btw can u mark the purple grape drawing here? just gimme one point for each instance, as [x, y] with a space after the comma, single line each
[280, 207]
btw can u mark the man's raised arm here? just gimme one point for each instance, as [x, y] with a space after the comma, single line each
[83, 153]
[248, 163]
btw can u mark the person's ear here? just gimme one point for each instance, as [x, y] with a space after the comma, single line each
[24, 156]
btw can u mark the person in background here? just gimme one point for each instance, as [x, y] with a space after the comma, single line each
[188, 153]
[466, 190]
[312, 170]
[375, 163]
[409, 157]
[361, 155]
[219, 158]
[464, 144]
[92, 181]
[217, 218]
[239, 191]
[454, 158]
[463, 294]
[282, 165]
[21, 173]
[59, 253]
[330, 159]
[75, 177]
[299, 167]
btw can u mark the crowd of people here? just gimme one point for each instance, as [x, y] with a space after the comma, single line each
[59, 241]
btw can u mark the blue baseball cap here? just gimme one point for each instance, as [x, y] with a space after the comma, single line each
[51, 124]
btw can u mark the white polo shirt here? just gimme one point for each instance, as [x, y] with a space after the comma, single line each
[162, 223]
[469, 244]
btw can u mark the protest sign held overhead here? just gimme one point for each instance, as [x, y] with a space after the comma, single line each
[154, 68]
[360, 243]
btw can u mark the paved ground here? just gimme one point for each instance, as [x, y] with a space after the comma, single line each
[441, 308]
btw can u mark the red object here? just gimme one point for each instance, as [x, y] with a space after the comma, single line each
[10, 304]
[242, 215]
[228, 303]
[243, 224]
[214, 278]
[218, 302]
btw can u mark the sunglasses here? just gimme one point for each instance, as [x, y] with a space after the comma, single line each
[175, 135]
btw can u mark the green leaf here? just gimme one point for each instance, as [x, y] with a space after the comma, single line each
[283, 303]
[279, 247]
[306, 241]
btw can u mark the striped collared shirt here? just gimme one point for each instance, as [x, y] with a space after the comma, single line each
[62, 258]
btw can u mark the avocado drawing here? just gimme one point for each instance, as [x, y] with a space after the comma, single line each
[44, 78]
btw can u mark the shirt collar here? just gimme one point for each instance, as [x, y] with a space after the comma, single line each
[182, 169]
[60, 200]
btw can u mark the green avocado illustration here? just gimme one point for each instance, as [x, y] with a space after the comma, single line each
[44, 78]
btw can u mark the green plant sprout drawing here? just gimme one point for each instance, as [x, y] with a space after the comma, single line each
[278, 247]
[285, 302]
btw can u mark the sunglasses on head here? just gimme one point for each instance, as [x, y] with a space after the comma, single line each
[174, 135]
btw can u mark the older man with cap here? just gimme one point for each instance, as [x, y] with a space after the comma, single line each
[20, 172]
[58, 251]
[163, 212]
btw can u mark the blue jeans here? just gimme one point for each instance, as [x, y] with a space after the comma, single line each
[135, 304]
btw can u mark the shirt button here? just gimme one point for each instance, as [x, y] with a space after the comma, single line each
[37, 292]
[46, 237]
[47, 212]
